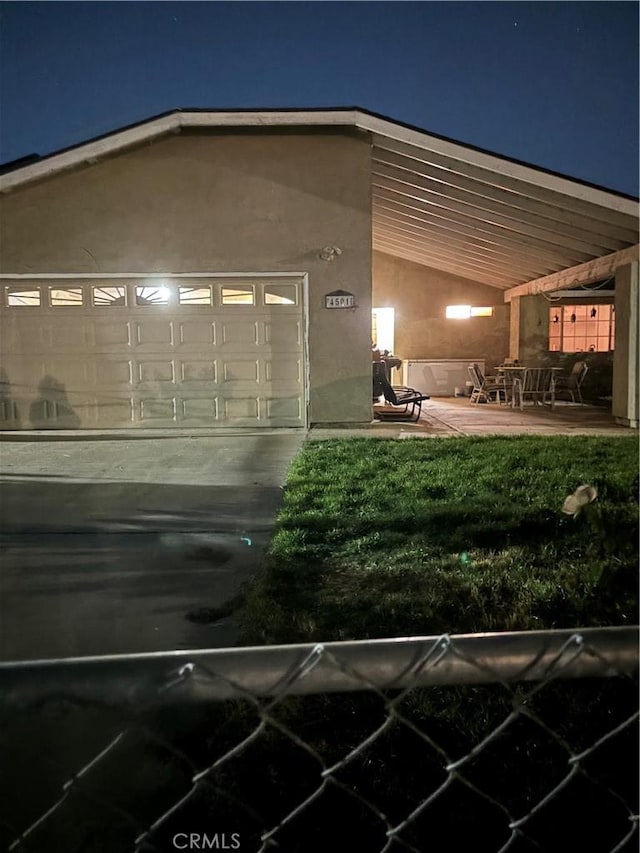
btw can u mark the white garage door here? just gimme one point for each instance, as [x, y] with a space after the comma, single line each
[181, 352]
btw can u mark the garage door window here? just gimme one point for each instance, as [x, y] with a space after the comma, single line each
[238, 295]
[195, 296]
[18, 297]
[147, 295]
[280, 294]
[71, 297]
[109, 297]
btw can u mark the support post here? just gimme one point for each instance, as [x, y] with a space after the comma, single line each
[514, 328]
[626, 374]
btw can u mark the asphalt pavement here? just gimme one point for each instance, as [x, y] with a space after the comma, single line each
[116, 545]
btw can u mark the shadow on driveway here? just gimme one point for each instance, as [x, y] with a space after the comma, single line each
[123, 567]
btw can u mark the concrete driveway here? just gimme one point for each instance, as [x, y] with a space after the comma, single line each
[133, 543]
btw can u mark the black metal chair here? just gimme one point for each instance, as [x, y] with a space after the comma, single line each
[401, 403]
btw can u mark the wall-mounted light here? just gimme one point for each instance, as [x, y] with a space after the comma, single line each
[330, 253]
[463, 312]
[457, 312]
[594, 312]
[573, 318]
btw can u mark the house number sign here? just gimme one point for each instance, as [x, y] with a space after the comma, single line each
[340, 299]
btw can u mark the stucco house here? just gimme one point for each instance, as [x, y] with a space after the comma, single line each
[224, 268]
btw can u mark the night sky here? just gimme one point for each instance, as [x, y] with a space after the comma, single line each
[553, 84]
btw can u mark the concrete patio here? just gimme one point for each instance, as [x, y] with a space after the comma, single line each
[443, 416]
[490, 418]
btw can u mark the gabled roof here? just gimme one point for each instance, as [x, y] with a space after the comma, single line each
[437, 202]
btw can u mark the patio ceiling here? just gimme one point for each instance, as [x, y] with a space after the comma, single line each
[484, 224]
[434, 201]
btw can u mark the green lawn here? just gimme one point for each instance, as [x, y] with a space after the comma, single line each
[393, 538]
[383, 538]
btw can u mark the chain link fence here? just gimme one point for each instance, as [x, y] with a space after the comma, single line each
[494, 742]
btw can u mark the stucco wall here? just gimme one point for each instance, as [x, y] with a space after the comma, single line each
[420, 296]
[217, 202]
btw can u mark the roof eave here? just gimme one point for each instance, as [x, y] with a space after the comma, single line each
[162, 125]
[379, 126]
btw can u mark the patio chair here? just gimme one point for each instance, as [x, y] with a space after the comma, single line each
[571, 385]
[401, 402]
[534, 384]
[485, 386]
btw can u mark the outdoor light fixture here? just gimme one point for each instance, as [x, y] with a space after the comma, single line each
[594, 312]
[330, 253]
[463, 312]
[573, 318]
[458, 312]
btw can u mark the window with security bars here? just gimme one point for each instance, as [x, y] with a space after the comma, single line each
[582, 328]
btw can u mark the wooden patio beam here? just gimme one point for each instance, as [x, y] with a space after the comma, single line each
[580, 274]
